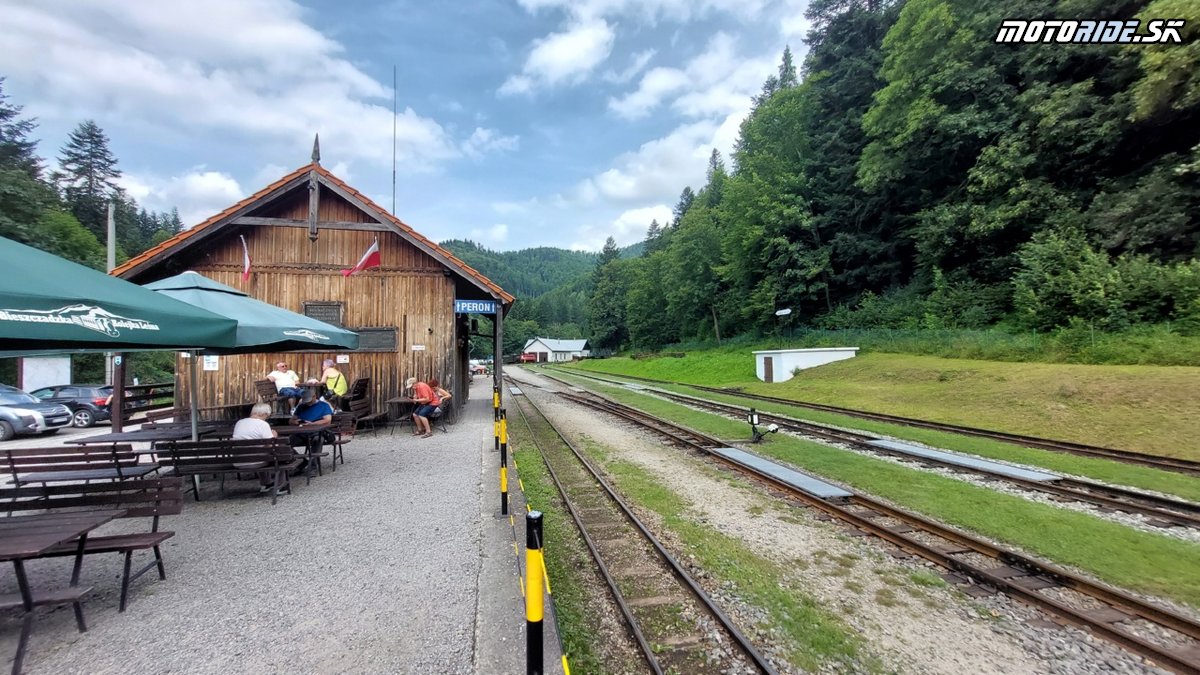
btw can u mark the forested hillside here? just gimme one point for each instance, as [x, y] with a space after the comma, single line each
[912, 173]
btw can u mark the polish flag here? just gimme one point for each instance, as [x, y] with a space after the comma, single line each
[245, 260]
[369, 259]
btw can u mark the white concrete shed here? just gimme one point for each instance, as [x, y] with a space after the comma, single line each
[777, 365]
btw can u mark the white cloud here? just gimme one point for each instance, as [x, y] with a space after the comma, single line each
[652, 10]
[660, 169]
[563, 58]
[483, 141]
[716, 82]
[515, 208]
[198, 194]
[627, 228]
[655, 86]
[248, 69]
[639, 62]
[495, 235]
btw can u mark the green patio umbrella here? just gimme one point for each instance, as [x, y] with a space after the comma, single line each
[261, 327]
[49, 303]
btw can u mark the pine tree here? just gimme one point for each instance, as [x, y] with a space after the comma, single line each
[16, 148]
[87, 175]
[653, 237]
[787, 70]
[685, 202]
[716, 176]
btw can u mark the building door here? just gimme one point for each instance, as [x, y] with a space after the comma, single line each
[768, 369]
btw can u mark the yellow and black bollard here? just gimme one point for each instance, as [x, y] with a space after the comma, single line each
[503, 462]
[533, 593]
[496, 415]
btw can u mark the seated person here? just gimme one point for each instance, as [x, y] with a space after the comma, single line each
[256, 427]
[287, 381]
[442, 395]
[425, 401]
[311, 411]
[334, 381]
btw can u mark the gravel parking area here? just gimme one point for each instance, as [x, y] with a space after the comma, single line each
[373, 568]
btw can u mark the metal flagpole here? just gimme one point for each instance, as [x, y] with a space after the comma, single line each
[394, 139]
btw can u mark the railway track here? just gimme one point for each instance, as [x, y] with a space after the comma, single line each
[1161, 511]
[677, 626]
[1156, 461]
[1162, 635]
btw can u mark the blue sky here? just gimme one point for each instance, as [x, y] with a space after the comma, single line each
[520, 122]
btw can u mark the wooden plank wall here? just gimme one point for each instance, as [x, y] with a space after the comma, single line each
[411, 292]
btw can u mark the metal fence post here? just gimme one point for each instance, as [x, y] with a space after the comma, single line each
[533, 593]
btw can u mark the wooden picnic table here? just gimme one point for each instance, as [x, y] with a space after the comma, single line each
[25, 537]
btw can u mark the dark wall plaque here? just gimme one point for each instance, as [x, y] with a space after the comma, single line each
[329, 312]
[376, 339]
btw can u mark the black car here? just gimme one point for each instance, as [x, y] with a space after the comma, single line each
[21, 413]
[89, 403]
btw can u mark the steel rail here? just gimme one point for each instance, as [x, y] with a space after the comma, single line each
[1171, 511]
[964, 543]
[1127, 456]
[680, 573]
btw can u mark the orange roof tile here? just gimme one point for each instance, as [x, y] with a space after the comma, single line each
[182, 237]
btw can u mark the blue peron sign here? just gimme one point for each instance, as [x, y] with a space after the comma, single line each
[474, 306]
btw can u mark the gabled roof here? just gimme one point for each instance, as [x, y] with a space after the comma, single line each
[559, 345]
[217, 222]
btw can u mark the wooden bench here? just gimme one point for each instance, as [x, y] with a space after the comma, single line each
[74, 463]
[269, 393]
[144, 498]
[219, 457]
[362, 411]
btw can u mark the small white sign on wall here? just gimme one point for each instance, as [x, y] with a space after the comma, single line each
[210, 362]
[343, 358]
[418, 348]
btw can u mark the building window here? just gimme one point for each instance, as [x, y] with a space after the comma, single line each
[329, 312]
[376, 339]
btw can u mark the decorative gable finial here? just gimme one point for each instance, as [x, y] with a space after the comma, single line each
[316, 156]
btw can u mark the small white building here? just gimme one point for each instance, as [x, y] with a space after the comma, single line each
[777, 365]
[550, 349]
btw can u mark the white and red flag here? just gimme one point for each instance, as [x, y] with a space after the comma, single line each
[245, 260]
[369, 259]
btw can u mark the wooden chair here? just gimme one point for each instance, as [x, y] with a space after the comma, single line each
[344, 426]
[269, 393]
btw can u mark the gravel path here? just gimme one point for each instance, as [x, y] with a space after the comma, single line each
[373, 568]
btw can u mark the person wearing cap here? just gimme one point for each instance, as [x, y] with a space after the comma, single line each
[311, 411]
[425, 401]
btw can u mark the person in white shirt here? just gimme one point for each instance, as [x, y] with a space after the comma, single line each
[255, 427]
[287, 382]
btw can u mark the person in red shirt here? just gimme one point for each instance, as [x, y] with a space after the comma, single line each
[426, 400]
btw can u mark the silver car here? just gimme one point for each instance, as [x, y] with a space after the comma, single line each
[21, 413]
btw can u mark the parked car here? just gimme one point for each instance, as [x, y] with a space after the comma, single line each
[21, 413]
[89, 403]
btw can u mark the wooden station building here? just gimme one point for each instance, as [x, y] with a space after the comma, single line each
[301, 231]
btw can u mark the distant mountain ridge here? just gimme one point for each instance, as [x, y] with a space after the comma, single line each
[531, 272]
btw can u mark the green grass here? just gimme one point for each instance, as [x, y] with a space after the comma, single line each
[817, 637]
[566, 557]
[1140, 408]
[1118, 554]
[1118, 473]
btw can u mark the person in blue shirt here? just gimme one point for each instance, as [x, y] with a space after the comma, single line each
[311, 411]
